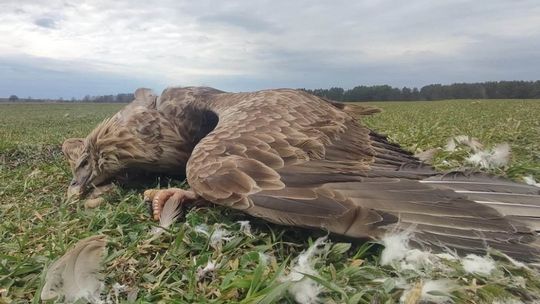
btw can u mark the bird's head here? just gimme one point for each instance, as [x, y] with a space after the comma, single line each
[94, 160]
[84, 176]
[134, 138]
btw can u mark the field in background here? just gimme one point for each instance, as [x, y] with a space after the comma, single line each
[38, 225]
[428, 124]
[48, 124]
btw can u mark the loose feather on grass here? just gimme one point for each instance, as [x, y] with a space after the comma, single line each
[495, 157]
[303, 289]
[217, 237]
[529, 180]
[220, 236]
[498, 156]
[399, 255]
[245, 227]
[114, 295]
[206, 271]
[396, 246]
[168, 216]
[76, 274]
[431, 291]
[468, 141]
[437, 291]
[473, 263]
[202, 229]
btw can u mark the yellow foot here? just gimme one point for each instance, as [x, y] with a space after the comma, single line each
[158, 198]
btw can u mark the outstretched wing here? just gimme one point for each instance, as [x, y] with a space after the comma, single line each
[295, 159]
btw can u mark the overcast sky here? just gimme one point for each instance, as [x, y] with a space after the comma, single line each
[55, 48]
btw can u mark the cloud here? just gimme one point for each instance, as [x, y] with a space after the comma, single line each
[247, 45]
[241, 21]
[41, 77]
[46, 22]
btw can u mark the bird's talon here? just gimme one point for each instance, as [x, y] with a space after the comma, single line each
[158, 198]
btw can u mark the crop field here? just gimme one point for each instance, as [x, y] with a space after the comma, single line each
[38, 224]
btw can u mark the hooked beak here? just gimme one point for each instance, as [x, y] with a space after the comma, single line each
[74, 190]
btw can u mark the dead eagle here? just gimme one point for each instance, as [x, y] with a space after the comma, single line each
[295, 159]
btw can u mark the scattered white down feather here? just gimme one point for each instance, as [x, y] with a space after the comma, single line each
[305, 290]
[264, 258]
[206, 271]
[451, 145]
[529, 180]
[496, 157]
[220, 236]
[114, 295]
[396, 246]
[202, 229]
[500, 155]
[416, 259]
[217, 237]
[447, 256]
[398, 254]
[432, 291]
[245, 227]
[75, 275]
[471, 142]
[168, 216]
[435, 290]
[473, 263]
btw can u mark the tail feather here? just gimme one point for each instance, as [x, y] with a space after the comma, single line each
[517, 201]
[532, 222]
[525, 251]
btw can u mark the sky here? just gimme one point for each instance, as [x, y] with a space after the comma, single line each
[63, 48]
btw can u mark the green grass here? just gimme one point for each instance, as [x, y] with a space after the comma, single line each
[38, 225]
[424, 125]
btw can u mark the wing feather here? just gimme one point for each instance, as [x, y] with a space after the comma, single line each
[295, 159]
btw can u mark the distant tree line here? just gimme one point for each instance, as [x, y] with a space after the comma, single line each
[483, 90]
[123, 97]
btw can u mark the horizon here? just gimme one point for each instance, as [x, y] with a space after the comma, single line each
[65, 49]
[485, 91]
[160, 91]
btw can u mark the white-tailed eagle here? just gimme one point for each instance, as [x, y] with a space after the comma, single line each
[296, 159]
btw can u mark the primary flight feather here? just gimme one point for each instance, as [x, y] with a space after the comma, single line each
[296, 159]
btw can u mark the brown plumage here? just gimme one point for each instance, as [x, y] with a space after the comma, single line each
[296, 159]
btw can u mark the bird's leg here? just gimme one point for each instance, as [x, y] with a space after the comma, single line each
[158, 198]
